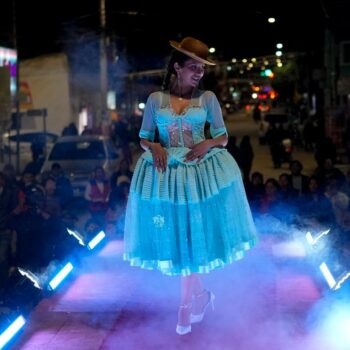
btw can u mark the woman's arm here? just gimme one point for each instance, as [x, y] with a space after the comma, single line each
[218, 141]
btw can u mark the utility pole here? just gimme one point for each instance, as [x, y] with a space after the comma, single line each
[103, 61]
[17, 109]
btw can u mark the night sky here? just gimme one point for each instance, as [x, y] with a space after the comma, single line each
[142, 31]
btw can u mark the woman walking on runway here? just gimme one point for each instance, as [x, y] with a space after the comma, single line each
[187, 212]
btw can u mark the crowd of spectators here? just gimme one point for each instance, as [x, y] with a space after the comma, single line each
[36, 211]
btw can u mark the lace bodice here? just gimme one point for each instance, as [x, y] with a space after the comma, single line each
[186, 129]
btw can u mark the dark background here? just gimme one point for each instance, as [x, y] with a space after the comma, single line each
[142, 29]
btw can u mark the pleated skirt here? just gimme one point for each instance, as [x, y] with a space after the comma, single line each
[193, 217]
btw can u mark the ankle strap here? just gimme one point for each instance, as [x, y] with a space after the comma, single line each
[201, 293]
[185, 306]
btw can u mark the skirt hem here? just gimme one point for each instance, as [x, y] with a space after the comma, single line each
[168, 268]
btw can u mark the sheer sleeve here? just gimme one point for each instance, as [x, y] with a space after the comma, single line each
[214, 116]
[148, 125]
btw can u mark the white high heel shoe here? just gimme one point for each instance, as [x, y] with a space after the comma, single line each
[180, 329]
[195, 318]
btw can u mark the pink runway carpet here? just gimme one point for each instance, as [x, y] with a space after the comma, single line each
[271, 300]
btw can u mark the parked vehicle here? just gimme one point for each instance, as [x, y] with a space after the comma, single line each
[80, 155]
[26, 139]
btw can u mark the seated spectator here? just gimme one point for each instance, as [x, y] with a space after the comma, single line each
[255, 190]
[117, 205]
[123, 174]
[64, 190]
[314, 207]
[287, 192]
[297, 180]
[328, 171]
[97, 193]
[340, 204]
[271, 199]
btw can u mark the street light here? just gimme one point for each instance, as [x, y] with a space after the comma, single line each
[271, 19]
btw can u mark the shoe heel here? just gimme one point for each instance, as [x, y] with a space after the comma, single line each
[212, 298]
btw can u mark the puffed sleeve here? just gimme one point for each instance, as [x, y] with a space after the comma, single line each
[148, 125]
[214, 115]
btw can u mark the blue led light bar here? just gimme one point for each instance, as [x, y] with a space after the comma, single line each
[328, 275]
[96, 240]
[61, 276]
[11, 331]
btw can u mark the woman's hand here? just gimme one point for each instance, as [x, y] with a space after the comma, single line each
[198, 151]
[159, 155]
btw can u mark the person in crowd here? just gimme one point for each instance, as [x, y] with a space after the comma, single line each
[64, 189]
[274, 140]
[288, 193]
[246, 156]
[116, 207]
[233, 149]
[180, 181]
[257, 113]
[315, 209]
[70, 130]
[340, 203]
[123, 174]
[325, 148]
[271, 200]
[255, 190]
[8, 203]
[97, 193]
[328, 171]
[298, 180]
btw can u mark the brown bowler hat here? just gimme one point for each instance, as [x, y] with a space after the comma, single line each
[193, 48]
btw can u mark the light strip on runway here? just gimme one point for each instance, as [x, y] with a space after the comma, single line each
[61, 276]
[96, 240]
[11, 331]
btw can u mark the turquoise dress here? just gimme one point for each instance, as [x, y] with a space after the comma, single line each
[194, 217]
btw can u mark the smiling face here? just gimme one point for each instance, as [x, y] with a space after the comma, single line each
[190, 73]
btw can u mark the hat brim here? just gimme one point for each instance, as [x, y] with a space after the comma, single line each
[176, 45]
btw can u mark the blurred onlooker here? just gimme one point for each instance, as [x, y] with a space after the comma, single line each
[314, 207]
[298, 180]
[274, 140]
[257, 113]
[123, 174]
[255, 190]
[97, 193]
[233, 149]
[325, 148]
[10, 174]
[117, 205]
[340, 203]
[71, 129]
[271, 200]
[246, 156]
[287, 192]
[8, 203]
[328, 171]
[64, 189]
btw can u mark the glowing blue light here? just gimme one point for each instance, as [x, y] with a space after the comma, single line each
[77, 235]
[61, 276]
[328, 276]
[309, 238]
[312, 241]
[342, 279]
[9, 333]
[96, 240]
[31, 276]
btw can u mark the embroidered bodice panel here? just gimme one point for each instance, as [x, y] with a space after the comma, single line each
[187, 128]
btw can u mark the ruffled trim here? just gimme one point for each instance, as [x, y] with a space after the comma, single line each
[185, 182]
[167, 267]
